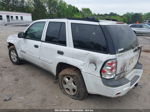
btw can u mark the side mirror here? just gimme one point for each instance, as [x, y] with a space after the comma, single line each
[21, 35]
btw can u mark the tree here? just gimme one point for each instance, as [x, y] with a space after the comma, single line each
[136, 17]
[5, 4]
[39, 10]
[86, 12]
[60, 9]
[128, 17]
[113, 14]
[146, 16]
[52, 7]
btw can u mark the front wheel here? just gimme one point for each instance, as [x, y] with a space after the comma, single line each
[72, 83]
[14, 56]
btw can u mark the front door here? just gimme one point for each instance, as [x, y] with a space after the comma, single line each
[32, 42]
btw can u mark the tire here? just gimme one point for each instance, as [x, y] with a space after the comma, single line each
[14, 56]
[72, 84]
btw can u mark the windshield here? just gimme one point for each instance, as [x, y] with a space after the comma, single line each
[123, 37]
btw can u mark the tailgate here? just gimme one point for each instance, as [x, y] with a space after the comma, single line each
[127, 60]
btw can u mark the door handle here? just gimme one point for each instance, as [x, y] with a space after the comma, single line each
[36, 46]
[60, 52]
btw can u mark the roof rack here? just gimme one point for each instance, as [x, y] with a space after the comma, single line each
[83, 19]
[111, 19]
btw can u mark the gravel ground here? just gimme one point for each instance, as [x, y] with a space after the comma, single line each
[29, 87]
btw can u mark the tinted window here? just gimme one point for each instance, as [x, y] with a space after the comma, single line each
[140, 26]
[35, 31]
[56, 33]
[123, 37]
[88, 37]
[133, 26]
[136, 26]
[1, 18]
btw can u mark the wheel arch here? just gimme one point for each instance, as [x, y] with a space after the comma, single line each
[61, 66]
[9, 44]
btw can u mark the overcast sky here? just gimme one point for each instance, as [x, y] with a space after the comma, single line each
[117, 6]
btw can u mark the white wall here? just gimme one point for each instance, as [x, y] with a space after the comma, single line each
[26, 16]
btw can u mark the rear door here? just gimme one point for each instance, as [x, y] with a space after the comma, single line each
[53, 45]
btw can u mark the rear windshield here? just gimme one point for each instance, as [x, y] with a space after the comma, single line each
[122, 36]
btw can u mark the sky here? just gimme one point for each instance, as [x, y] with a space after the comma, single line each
[116, 6]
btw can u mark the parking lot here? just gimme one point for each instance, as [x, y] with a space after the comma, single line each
[28, 86]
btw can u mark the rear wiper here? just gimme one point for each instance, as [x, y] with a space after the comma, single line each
[122, 49]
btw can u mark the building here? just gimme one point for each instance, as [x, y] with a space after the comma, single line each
[12, 17]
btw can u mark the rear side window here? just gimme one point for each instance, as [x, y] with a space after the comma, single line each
[88, 37]
[56, 33]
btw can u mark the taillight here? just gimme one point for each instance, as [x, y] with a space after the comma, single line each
[109, 69]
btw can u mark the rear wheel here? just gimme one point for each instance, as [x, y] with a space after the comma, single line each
[14, 56]
[72, 83]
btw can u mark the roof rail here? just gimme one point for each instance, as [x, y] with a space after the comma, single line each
[111, 19]
[83, 19]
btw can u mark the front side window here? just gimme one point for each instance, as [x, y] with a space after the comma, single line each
[56, 33]
[35, 31]
[88, 37]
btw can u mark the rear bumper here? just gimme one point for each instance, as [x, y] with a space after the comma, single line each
[95, 85]
[122, 81]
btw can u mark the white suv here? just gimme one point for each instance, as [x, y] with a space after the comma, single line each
[86, 56]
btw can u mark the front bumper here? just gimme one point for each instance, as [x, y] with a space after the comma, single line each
[95, 85]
